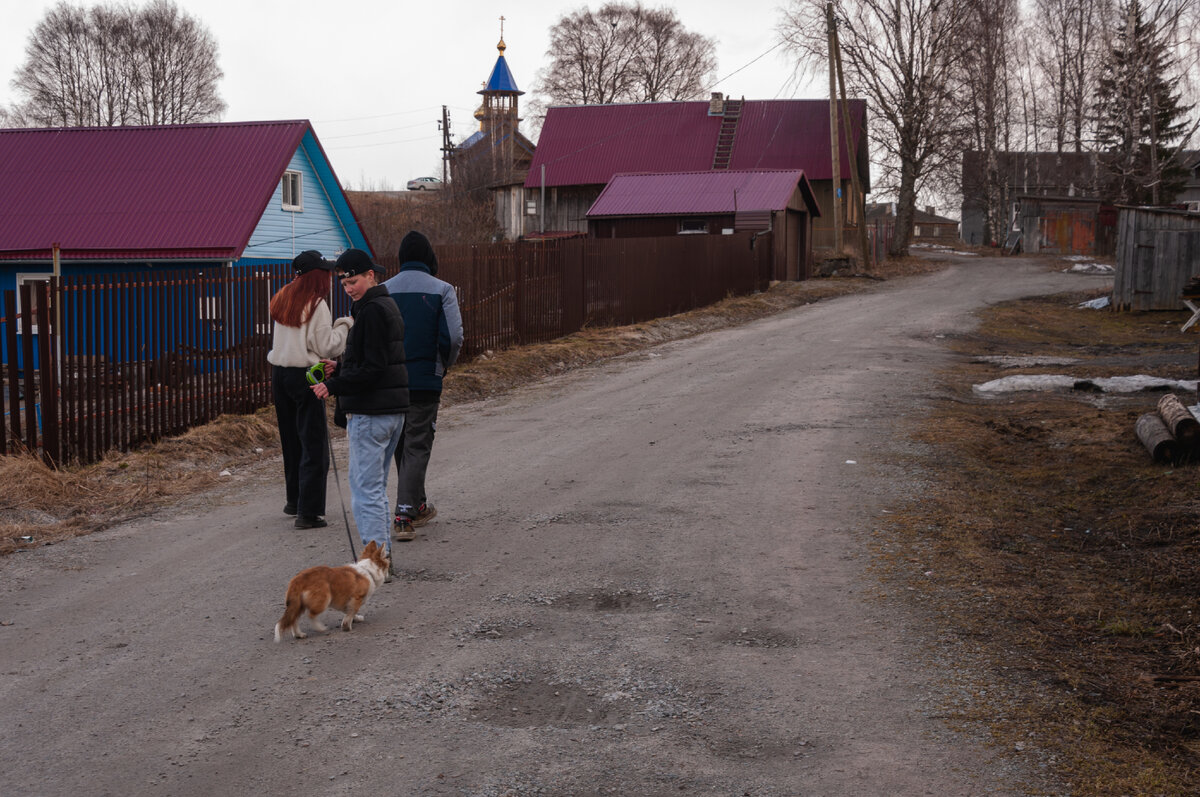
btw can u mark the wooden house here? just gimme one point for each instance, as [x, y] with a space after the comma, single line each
[1068, 186]
[928, 227]
[201, 198]
[581, 148]
[714, 203]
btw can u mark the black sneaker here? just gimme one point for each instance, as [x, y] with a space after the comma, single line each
[289, 508]
[310, 522]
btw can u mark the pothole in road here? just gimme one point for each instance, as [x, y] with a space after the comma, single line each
[758, 638]
[621, 600]
[536, 703]
[423, 574]
[507, 628]
[600, 599]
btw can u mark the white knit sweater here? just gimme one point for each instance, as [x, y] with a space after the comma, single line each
[318, 338]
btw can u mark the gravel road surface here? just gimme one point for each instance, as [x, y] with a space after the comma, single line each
[647, 577]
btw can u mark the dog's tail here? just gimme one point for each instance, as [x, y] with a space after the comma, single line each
[291, 615]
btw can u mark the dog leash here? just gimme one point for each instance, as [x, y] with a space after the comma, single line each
[338, 480]
[315, 374]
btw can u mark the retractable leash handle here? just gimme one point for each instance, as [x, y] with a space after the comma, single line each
[315, 373]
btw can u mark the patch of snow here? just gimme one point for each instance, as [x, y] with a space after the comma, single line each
[1096, 304]
[1090, 268]
[1108, 384]
[1012, 361]
[943, 249]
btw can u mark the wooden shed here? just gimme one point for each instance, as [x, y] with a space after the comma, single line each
[714, 203]
[1069, 225]
[1158, 252]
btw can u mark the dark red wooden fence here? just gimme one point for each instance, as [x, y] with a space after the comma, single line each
[100, 363]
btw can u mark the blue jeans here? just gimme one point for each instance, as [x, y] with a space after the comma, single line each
[372, 440]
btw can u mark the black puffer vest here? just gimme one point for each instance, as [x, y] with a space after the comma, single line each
[372, 379]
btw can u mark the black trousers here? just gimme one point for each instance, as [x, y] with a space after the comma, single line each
[303, 437]
[412, 455]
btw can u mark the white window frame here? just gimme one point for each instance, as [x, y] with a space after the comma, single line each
[30, 276]
[292, 186]
[684, 224]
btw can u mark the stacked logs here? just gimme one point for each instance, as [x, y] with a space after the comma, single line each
[1172, 433]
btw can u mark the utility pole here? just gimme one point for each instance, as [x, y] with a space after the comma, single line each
[858, 197]
[447, 149]
[833, 135]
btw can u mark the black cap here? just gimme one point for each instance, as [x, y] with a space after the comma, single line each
[309, 260]
[415, 247]
[355, 261]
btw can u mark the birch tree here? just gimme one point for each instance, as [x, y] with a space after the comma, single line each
[903, 57]
[625, 53]
[118, 65]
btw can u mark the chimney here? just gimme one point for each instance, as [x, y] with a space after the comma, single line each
[929, 210]
[716, 106]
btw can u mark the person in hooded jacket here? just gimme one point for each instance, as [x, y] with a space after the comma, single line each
[371, 386]
[433, 337]
[304, 333]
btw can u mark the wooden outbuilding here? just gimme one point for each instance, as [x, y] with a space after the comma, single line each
[714, 203]
[1158, 252]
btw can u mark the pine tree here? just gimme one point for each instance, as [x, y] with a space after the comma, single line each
[1138, 113]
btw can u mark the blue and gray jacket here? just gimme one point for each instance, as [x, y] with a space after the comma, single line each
[433, 330]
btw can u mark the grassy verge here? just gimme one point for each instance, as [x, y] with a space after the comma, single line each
[1062, 555]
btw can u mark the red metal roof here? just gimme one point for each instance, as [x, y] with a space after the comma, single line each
[162, 191]
[696, 192]
[588, 144]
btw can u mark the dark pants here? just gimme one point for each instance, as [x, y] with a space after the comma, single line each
[412, 456]
[303, 437]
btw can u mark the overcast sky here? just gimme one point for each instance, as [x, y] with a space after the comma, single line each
[373, 75]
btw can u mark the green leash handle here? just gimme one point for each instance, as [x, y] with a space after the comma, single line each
[315, 373]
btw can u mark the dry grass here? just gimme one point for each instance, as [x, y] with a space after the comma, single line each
[1062, 556]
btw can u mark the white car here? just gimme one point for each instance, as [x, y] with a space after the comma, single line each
[424, 184]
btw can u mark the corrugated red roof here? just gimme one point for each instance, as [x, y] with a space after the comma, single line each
[696, 192]
[166, 191]
[588, 144]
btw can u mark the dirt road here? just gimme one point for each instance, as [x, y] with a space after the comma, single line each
[647, 577]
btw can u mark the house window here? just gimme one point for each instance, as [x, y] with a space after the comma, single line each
[293, 199]
[31, 280]
[530, 207]
[692, 226]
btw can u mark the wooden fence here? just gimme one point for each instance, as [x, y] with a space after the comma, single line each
[100, 363]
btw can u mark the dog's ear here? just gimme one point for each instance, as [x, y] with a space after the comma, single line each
[372, 546]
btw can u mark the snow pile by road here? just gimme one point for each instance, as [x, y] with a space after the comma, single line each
[1107, 384]
[1082, 264]
[944, 249]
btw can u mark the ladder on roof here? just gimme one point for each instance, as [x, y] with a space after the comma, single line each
[729, 123]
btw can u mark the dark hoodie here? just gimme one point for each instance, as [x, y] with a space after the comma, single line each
[415, 248]
[433, 332]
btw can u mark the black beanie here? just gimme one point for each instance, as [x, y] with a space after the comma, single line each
[415, 247]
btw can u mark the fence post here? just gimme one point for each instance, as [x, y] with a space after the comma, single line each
[570, 257]
[520, 305]
[14, 379]
[48, 368]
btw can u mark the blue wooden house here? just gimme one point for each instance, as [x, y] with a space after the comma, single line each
[211, 200]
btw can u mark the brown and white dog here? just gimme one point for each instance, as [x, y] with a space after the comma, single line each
[344, 588]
